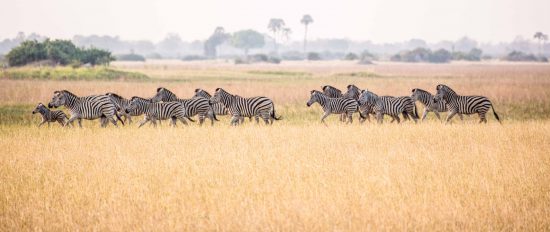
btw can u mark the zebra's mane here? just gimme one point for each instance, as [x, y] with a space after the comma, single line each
[115, 95]
[445, 88]
[331, 87]
[317, 91]
[139, 98]
[353, 87]
[421, 91]
[65, 92]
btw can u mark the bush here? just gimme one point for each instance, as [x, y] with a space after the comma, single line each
[366, 55]
[259, 58]
[193, 57]
[313, 56]
[351, 56]
[292, 55]
[521, 56]
[130, 57]
[274, 60]
[440, 56]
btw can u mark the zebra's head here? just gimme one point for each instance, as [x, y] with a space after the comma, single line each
[416, 94]
[162, 94]
[133, 104]
[202, 93]
[365, 96]
[59, 98]
[217, 95]
[353, 92]
[314, 97]
[39, 108]
[442, 92]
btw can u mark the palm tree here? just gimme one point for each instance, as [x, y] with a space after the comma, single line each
[306, 20]
[541, 37]
[275, 25]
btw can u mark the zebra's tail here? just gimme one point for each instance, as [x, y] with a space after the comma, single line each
[118, 118]
[212, 108]
[416, 112]
[273, 114]
[495, 113]
[190, 119]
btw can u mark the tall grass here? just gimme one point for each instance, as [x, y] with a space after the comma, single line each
[308, 177]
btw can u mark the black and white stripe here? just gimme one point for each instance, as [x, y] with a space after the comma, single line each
[364, 110]
[427, 99]
[245, 107]
[458, 104]
[331, 91]
[121, 104]
[195, 106]
[157, 111]
[392, 106]
[331, 105]
[89, 107]
[50, 115]
[218, 108]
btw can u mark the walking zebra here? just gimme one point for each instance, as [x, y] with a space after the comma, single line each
[364, 110]
[121, 104]
[195, 106]
[391, 106]
[218, 108]
[88, 107]
[157, 111]
[246, 107]
[427, 99]
[330, 105]
[458, 104]
[50, 115]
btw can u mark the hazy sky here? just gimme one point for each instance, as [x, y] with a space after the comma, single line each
[376, 20]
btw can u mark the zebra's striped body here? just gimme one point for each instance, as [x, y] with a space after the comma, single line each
[218, 108]
[195, 106]
[50, 115]
[245, 107]
[331, 91]
[392, 106]
[458, 104]
[157, 111]
[346, 106]
[364, 110]
[89, 107]
[121, 104]
[427, 99]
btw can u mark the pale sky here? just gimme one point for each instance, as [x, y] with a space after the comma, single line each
[375, 20]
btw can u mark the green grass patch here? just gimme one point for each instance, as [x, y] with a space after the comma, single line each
[68, 73]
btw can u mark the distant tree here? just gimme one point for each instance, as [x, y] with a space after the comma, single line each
[61, 52]
[247, 39]
[540, 37]
[306, 20]
[275, 25]
[217, 38]
[27, 52]
[95, 56]
[440, 56]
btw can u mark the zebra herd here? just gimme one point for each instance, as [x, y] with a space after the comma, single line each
[365, 102]
[164, 105]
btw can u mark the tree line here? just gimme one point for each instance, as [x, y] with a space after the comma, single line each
[58, 52]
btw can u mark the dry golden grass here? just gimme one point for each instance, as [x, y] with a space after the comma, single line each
[309, 177]
[295, 175]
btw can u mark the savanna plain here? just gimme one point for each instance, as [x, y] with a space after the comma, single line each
[296, 175]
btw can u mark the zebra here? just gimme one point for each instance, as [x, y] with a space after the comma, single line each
[427, 99]
[50, 115]
[218, 108]
[330, 105]
[121, 104]
[246, 107]
[88, 107]
[364, 110]
[194, 106]
[162, 110]
[457, 104]
[331, 91]
[391, 106]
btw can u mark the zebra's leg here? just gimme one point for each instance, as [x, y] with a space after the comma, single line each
[265, 117]
[379, 118]
[461, 117]
[482, 117]
[182, 119]
[61, 121]
[350, 118]
[437, 115]
[71, 121]
[48, 124]
[235, 120]
[145, 120]
[113, 120]
[41, 123]
[173, 121]
[450, 116]
[396, 117]
[257, 119]
[201, 119]
[325, 115]
[426, 114]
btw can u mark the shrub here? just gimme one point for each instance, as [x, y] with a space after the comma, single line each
[130, 57]
[313, 56]
[520, 56]
[351, 56]
[259, 58]
[274, 60]
[440, 56]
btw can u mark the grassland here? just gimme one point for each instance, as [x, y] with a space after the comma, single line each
[295, 175]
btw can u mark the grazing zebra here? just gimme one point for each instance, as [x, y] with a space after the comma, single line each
[194, 106]
[246, 107]
[330, 105]
[458, 104]
[391, 106]
[88, 107]
[427, 99]
[121, 104]
[50, 115]
[157, 111]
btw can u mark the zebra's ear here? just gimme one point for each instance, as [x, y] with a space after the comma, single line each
[438, 87]
[159, 89]
[217, 89]
[312, 91]
[349, 86]
[413, 90]
[197, 90]
[323, 87]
